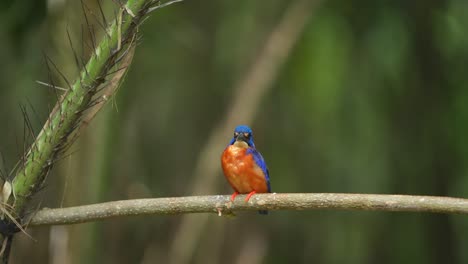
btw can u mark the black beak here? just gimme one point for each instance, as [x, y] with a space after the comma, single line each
[241, 137]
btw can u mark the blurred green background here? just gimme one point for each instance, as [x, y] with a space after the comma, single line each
[372, 98]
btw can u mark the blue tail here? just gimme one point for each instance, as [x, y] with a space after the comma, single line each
[263, 212]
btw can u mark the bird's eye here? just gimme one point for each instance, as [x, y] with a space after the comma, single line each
[247, 135]
[236, 134]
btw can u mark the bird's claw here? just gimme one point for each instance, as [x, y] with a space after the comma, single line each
[249, 195]
[233, 196]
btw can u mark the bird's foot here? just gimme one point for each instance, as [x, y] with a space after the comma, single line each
[250, 195]
[233, 196]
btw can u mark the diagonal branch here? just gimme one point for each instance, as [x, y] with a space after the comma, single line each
[221, 204]
[84, 97]
[60, 129]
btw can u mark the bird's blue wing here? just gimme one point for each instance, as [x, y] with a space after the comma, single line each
[261, 163]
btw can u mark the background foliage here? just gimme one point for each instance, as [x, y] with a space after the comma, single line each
[372, 99]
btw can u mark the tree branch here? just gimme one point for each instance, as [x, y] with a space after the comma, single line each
[221, 204]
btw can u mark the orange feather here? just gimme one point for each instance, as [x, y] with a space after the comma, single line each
[241, 171]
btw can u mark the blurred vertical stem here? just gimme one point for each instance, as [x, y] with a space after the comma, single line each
[248, 94]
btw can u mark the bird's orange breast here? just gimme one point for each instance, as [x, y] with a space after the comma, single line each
[241, 171]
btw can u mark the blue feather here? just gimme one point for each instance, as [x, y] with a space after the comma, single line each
[258, 158]
[244, 129]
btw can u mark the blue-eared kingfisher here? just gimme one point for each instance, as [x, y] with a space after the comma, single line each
[244, 167]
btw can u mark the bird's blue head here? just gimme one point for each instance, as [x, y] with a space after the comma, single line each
[243, 133]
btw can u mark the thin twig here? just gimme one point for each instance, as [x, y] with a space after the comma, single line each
[221, 204]
[51, 85]
[162, 5]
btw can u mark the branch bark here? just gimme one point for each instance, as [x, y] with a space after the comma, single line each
[221, 205]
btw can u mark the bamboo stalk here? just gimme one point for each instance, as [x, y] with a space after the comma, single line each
[70, 112]
[67, 115]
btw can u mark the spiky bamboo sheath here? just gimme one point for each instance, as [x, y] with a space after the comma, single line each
[65, 118]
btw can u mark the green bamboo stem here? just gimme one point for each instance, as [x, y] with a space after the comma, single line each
[68, 116]
[65, 117]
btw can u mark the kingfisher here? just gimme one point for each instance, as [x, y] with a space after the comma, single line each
[244, 167]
